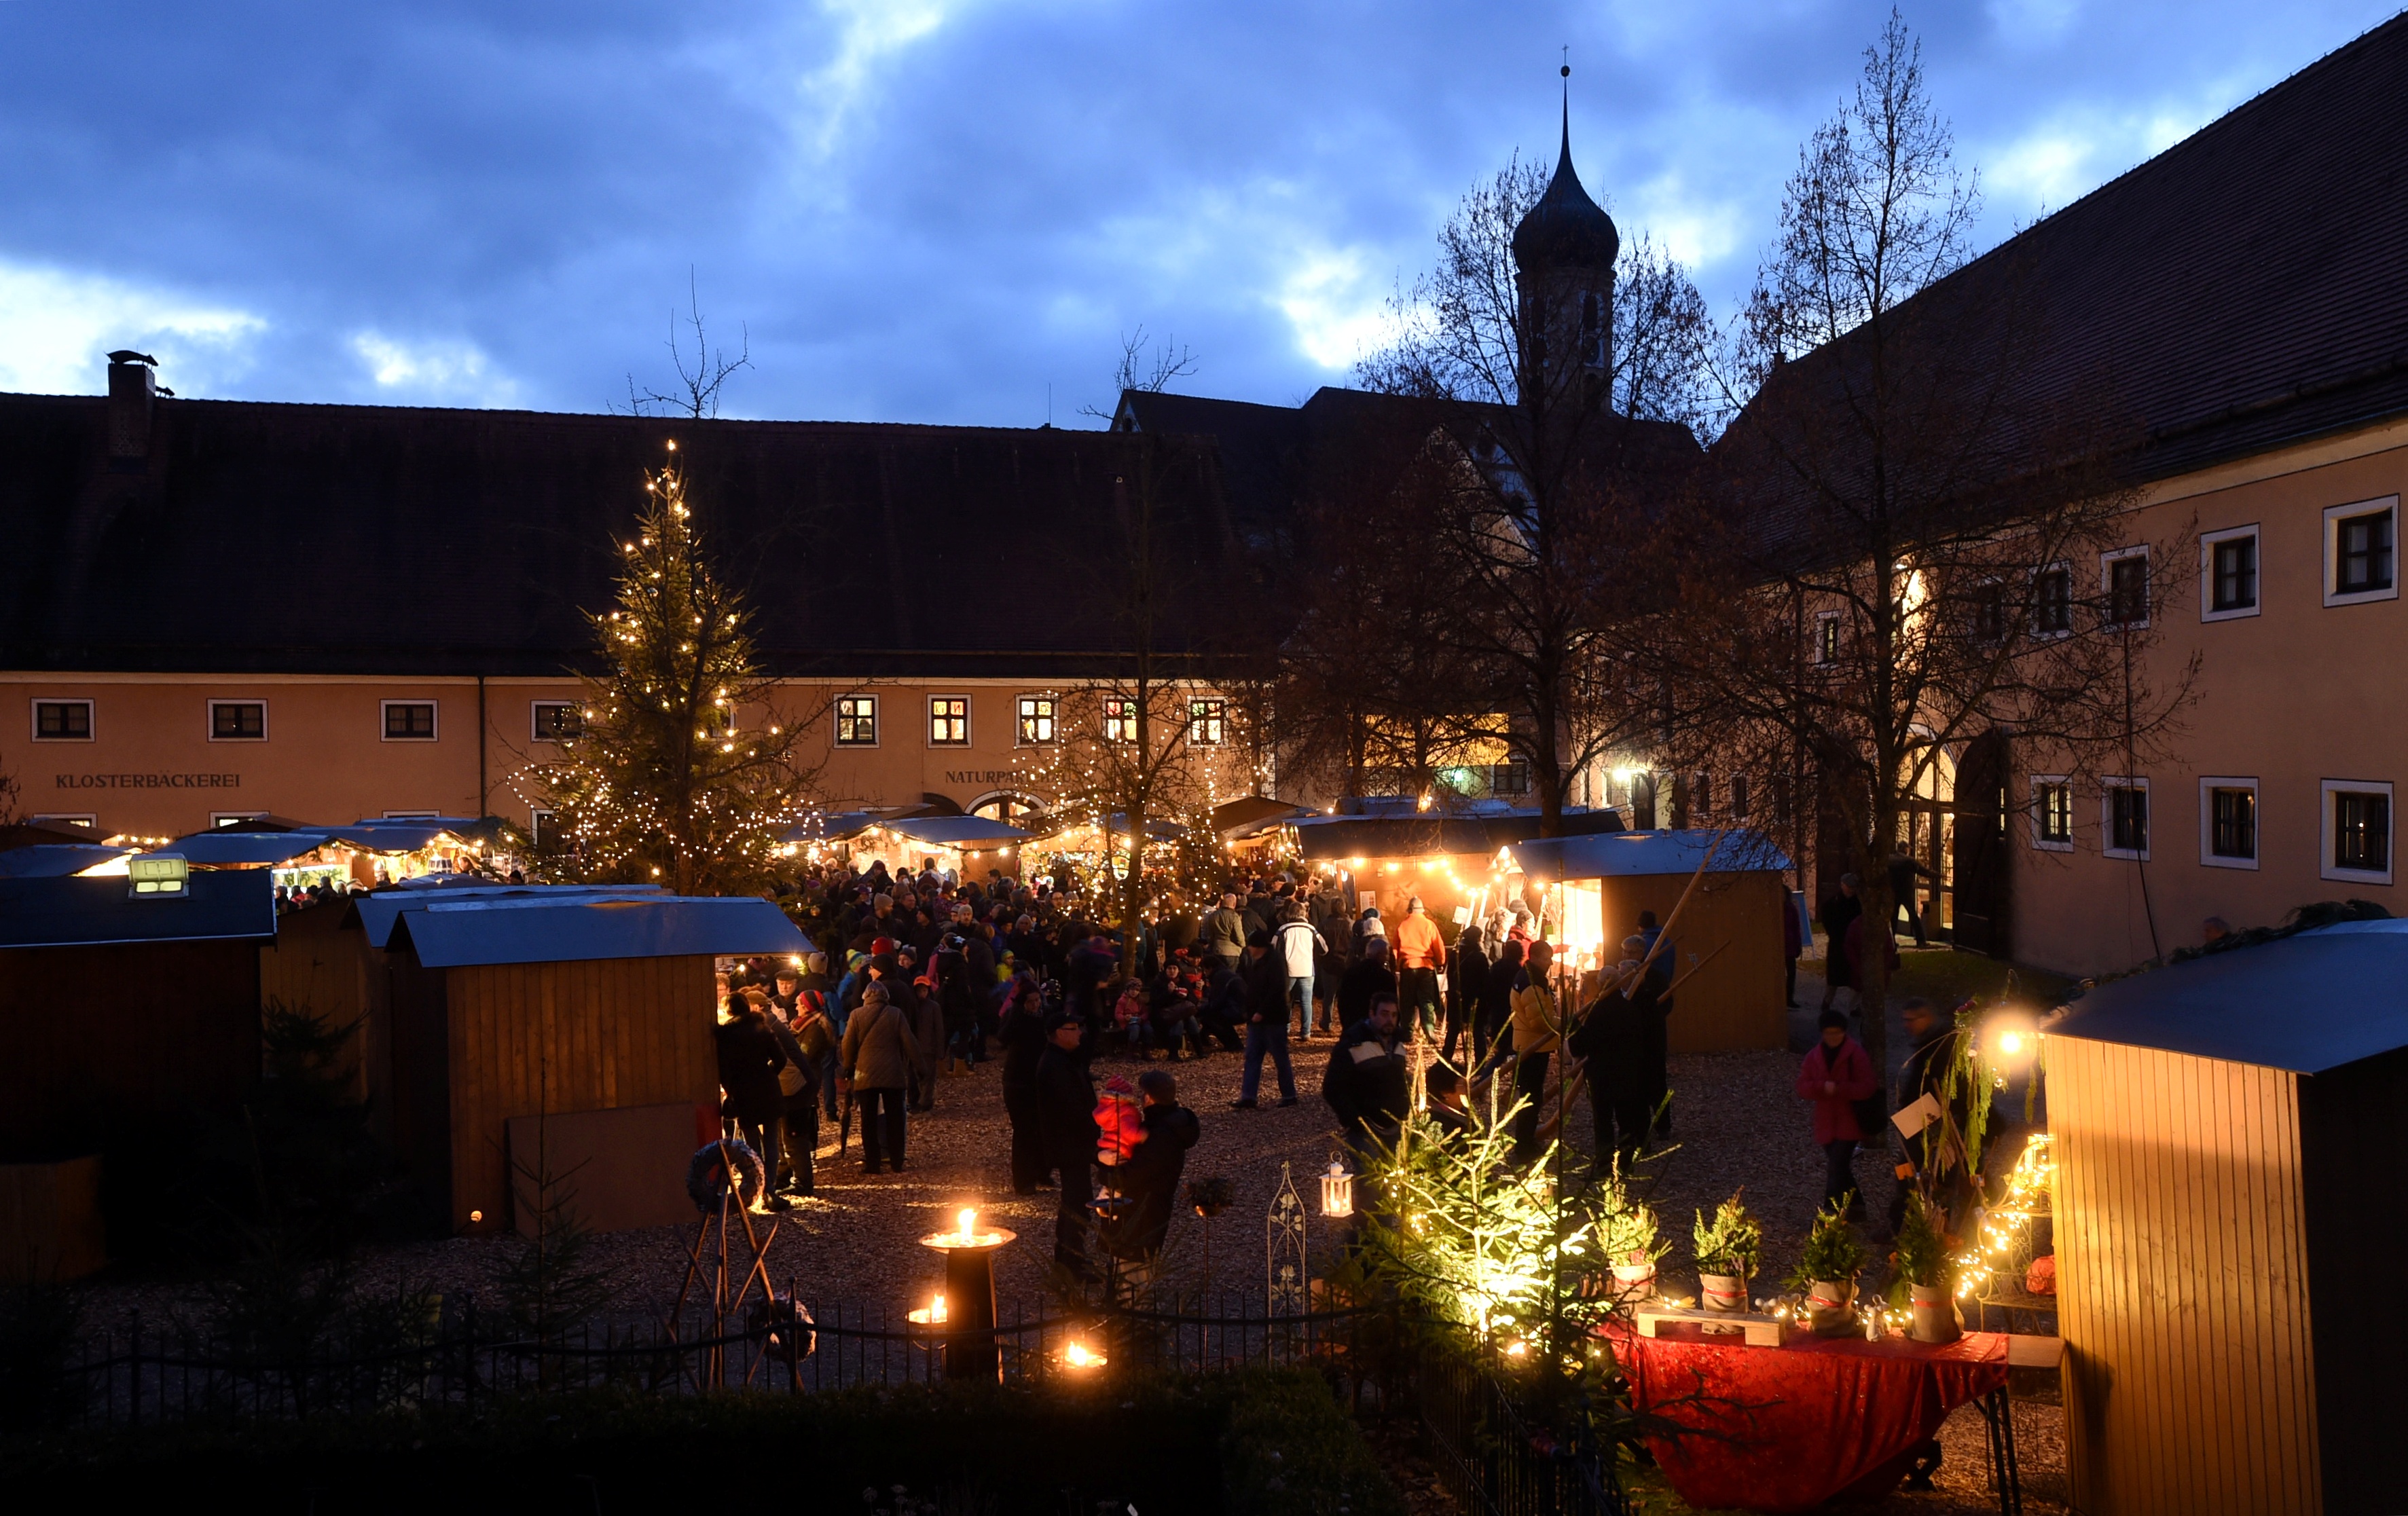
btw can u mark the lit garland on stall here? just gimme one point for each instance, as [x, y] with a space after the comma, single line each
[2002, 1232]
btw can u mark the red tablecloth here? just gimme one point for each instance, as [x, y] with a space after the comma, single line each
[1788, 1428]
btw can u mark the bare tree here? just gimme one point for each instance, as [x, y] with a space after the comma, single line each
[1149, 373]
[1903, 553]
[701, 377]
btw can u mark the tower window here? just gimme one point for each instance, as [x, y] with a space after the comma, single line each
[1591, 331]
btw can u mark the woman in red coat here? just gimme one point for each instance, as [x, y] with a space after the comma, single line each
[1838, 1073]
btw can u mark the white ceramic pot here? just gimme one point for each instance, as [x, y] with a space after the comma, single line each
[1935, 1314]
[1828, 1306]
[1721, 1291]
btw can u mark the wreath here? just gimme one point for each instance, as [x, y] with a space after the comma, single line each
[707, 1174]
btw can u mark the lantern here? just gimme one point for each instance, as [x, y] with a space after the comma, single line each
[1337, 1190]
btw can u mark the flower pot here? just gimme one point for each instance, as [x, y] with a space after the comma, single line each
[1721, 1291]
[1829, 1304]
[1935, 1314]
[1633, 1282]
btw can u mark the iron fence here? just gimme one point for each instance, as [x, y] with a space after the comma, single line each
[1495, 1461]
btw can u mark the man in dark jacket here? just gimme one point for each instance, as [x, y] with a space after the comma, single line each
[1369, 1082]
[1837, 913]
[1659, 980]
[1024, 1045]
[1066, 1124]
[749, 1061]
[1224, 1006]
[1927, 1073]
[1371, 977]
[1266, 980]
[1613, 1041]
[1149, 1182]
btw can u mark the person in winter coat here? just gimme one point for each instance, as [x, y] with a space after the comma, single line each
[1659, 978]
[1838, 1073]
[918, 998]
[1495, 1023]
[1793, 942]
[749, 1061]
[1467, 979]
[1839, 912]
[1367, 926]
[1222, 1009]
[1368, 1081]
[881, 1055]
[1024, 1044]
[1537, 1030]
[1371, 977]
[1299, 948]
[798, 1085]
[1149, 1179]
[1613, 1042]
[1421, 953]
[1223, 933]
[1065, 1124]
[1447, 1111]
[1266, 980]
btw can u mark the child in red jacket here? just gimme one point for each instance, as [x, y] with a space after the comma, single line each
[1838, 1073]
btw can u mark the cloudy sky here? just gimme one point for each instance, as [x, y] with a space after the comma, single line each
[935, 210]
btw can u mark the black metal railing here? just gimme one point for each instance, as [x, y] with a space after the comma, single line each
[1495, 1461]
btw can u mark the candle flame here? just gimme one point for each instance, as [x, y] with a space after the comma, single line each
[969, 1222]
[936, 1308]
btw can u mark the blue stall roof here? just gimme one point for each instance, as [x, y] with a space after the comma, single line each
[230, 848]
[2307, 1003]
[390, 836]
[1622, 855]
[455, 934]
[380, 911]
[50, 861]
[73, 913]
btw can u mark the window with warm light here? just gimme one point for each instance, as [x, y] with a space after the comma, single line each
[2052, 807]
[1206, 722]
[1038, 715]
[1120, 718]
[1827, 637]
[558, 721]
[857, 720]
[949, 720]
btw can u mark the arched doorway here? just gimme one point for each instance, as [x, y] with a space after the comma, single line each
[1005, 806]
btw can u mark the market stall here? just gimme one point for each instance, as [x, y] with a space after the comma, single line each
[364, 852]
[1458, 863]
[2228, 1231]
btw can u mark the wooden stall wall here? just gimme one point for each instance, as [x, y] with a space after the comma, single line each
[2182, 1278]
[2356, 1232]
[319, 964]
[527, 1038]
[1736, 999]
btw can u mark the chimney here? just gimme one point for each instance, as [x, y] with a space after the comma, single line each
[130, 392]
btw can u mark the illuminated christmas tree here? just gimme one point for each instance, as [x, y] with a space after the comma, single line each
[685, 770]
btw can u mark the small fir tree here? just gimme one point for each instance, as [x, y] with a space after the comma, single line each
[685, 770]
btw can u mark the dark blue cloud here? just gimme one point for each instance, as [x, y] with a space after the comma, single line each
[926, 210]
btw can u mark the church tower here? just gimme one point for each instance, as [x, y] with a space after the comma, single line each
[1563, 255]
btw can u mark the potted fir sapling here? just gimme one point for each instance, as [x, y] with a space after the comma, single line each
[1626, 1232]
[1930, 1271]
[1828, 1269]
[1728, 1249]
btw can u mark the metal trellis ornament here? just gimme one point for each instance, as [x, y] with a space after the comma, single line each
[1283, 1243]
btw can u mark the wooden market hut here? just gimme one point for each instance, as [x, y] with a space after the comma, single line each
[2229, 1229]
[118, 1014]
[1727, 948]
[592, 1015]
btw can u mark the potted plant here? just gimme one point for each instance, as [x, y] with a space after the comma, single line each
[1930, 1271]
[1827, 1268]
[1627, 1232]
[1729, 1250]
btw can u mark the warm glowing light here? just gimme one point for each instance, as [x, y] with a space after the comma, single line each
[969, 1222]
[936, 1308]
[1079, 1355]
[475, 1216]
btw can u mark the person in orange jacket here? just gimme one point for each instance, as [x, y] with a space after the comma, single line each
[1420, 954]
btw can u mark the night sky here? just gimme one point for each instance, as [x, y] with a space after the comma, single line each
[929, 211]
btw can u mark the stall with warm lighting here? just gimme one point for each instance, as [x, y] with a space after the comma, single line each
[964, 846]
[1385, 852]
[2225, 1139]
[1727, 959]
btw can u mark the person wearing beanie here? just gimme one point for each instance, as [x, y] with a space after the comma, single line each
[1837, 1074]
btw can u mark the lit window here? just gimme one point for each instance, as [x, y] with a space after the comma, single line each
[1036, 716]
[557, 721]
[238, 720]
[949, 720]
[62, 721]
[1827, 637]
[2053, 601]
[857, 720]
[410, 721]
[2357, 830]
[1120, 719]
[1206, 722]
[2052, 812]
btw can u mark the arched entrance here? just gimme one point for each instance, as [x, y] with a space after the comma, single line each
[1005, 806]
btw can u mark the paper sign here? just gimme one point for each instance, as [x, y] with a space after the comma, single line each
[1463, 915]
[1917, 1116]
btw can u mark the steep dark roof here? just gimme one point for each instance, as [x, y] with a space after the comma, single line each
[2242, 290]
[384, 539]
[1566, 229]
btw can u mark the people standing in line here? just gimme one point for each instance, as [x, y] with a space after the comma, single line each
[1613, 1042]
[1066, 1119]
[1299, 948]
[1838, 913]
[1371, 976]
[749, 1061]
[1466, 980]
[1537, 1030]
[1421, 953]
[1837, 1074]
[879, 1055]
[1368, 1081]
[1149, 1180]
[1024, 1044]
[1266, 980]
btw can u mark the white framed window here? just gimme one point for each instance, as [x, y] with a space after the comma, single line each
[2357, 830]
[1208, 722]
[1040, 720]
[1827, 637]
[68, 817]
[238, 720]
[949, 720]
[2228, 823]
[2362, 551]
[2051, 604]
[62, 721]
[408, 720]
[2051, 813]
[1120, 718]
[2124, 586]
[2124, 818]
[2228, 574]
[857, 720]
[228, 818]
[556, 721]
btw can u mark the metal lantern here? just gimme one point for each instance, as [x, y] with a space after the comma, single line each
[1337, 1190]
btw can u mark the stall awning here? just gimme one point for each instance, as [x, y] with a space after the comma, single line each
[230, 848]
[2307, 1003]
[456, 934]
[99, 912]
[1622, 855]
[49, 860]
[958, 832]
[1254, 814]
[390, 836]
[378, 911]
